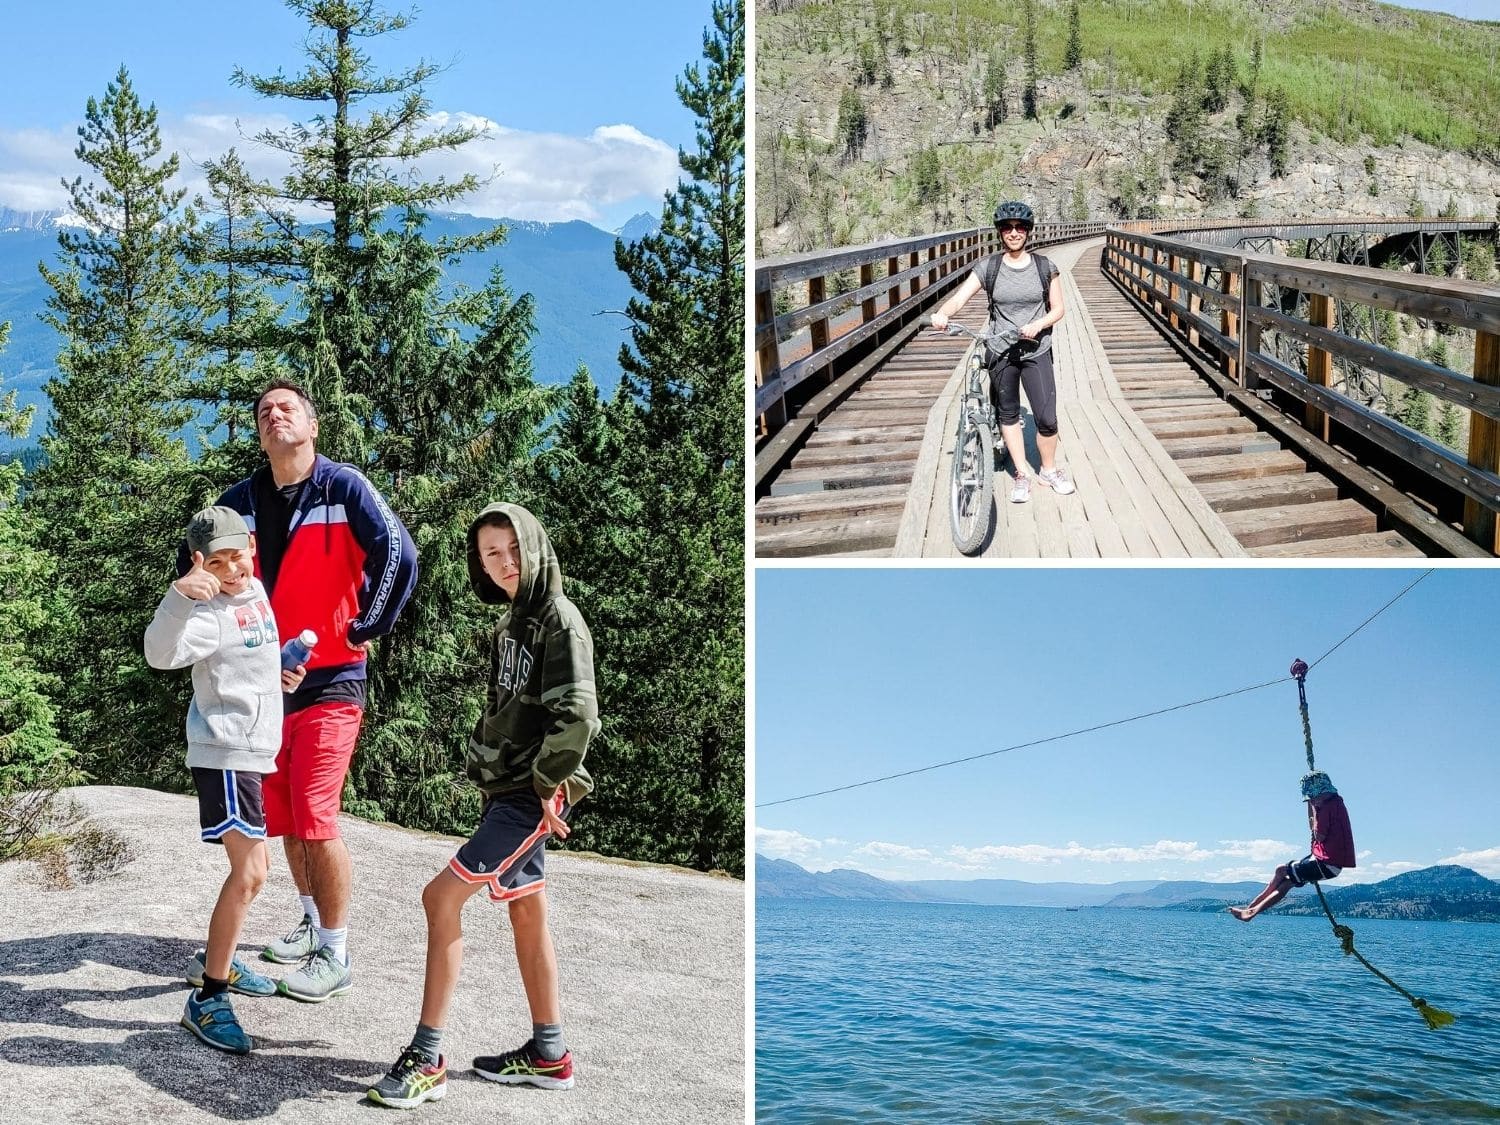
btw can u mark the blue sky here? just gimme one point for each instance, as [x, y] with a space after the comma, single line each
[1467, 9]
[584, 114]
[860, 673]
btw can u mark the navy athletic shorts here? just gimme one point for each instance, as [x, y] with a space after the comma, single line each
[229, 799]
[508, 851]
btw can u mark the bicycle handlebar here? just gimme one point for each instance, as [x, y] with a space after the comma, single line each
[1005, 335]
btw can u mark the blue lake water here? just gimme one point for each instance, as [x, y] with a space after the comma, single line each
[910, 1012]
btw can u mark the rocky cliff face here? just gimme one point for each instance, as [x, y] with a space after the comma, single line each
[28, 220]
[932, 154]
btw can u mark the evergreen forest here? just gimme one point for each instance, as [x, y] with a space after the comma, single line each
[175, 312]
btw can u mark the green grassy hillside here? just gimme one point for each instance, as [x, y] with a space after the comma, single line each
[885, 117]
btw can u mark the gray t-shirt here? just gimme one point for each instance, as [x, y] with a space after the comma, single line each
[1016, 295]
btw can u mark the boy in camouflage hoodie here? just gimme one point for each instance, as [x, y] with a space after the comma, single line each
[526, 756]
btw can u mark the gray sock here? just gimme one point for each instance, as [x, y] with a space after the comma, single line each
[549, 1040]
[429, 1040]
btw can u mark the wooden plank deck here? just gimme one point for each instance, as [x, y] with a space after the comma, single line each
[1269, 498]
[1164, 467]
[1132, 499]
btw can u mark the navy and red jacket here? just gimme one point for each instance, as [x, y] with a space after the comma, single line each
[347, 570]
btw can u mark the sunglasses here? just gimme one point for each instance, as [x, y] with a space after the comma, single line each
[1006, 228]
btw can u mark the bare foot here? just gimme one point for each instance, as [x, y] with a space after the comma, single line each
[1243, 913]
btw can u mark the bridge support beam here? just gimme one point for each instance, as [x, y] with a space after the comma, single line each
[1195, 302]
[768, 365]
[1229, 324]
[1319, 362]
[1484, 444]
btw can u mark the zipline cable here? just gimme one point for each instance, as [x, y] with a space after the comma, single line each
[1099, 726]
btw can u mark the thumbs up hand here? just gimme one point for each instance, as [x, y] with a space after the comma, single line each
[198, 584]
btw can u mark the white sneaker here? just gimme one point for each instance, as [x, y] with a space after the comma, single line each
[1057, 480]
[1020, 489]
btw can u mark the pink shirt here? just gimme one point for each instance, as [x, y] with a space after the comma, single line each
[1332, 838]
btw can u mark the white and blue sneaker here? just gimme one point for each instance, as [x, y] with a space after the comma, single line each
[213, 1021]
[242, 979]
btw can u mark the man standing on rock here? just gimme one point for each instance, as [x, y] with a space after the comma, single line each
[338, 562]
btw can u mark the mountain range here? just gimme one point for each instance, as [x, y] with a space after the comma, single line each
[569, 268]
[1442, 893]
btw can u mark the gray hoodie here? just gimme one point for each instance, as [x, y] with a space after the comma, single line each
[234, 721]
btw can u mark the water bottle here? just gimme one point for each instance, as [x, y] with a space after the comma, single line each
[298, 650]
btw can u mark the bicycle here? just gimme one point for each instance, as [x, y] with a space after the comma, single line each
[971, 487]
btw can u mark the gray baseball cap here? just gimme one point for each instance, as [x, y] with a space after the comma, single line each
[217, 529]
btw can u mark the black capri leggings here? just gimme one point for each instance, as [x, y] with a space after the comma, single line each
[1008, 373]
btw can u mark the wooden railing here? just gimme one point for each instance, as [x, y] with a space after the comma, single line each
[896, 279]
[1214, 300]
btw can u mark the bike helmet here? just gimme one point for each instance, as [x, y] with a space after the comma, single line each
[1015, 211]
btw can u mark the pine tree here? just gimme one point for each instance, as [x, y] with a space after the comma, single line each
[454, 421]
[995, 108]
[1218, 77]
[1275, 131]
[242, 333]
[1073, 58]
[927, 176]
[113, 495]
[1185, 120]
[1244, 121]
[1450, 425]
[853, 126]
[1029, 94]
[344, 165]
[1415, 410]
[670, 634]
[32, 755]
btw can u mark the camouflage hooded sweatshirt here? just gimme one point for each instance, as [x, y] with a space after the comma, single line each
[540, 710]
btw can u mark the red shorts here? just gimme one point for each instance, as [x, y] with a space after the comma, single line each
[302, 797]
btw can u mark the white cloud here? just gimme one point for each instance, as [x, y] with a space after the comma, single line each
[1486, 862]
[881, 851]
[1245, 874]
[1261, 851]
[547, 177]
[780, 843]
[1187, 851]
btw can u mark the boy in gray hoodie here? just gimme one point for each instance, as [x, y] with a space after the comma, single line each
[526, 757]
[217, 618]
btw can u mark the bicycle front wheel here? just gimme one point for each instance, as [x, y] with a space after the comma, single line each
[971, 492]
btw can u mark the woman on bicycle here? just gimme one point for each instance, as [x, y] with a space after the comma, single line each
[1019, 297]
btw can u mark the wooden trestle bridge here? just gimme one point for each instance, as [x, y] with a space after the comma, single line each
[1215, 399]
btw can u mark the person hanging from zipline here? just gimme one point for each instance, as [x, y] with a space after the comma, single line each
[1332, 847]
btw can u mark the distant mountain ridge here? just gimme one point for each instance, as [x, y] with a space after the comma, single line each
[569, 268]
[780, 878]
[1441, 893]
[1017, 892]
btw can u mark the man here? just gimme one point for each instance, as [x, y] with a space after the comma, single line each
[337, 561]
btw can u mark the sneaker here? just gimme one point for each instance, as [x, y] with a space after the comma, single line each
[526, 1065]
[1020, 489]
[242, 979]
[412, 1081]
[296, 946]
[1057, 480]
[214, 1022]
[319, 977]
